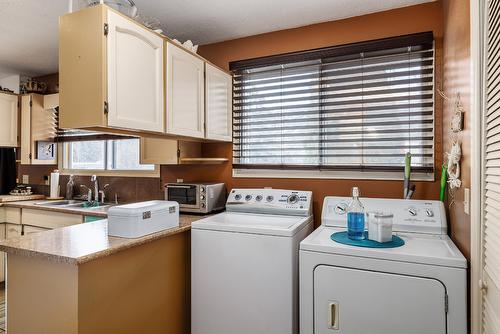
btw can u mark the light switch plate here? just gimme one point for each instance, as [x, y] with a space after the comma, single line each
[467, 200]
[26, 179]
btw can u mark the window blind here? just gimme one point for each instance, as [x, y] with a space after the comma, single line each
[491, 177]
[358, 106]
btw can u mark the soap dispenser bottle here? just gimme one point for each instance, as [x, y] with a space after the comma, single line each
[355, 217]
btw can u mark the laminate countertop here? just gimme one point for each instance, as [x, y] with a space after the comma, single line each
[35, 204]
[84, 242]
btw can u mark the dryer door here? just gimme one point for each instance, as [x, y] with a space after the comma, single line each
[351, 301]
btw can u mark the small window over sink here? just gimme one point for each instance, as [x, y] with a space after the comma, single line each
[103, 157]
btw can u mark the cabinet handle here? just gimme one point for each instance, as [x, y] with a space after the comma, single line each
[333, 315]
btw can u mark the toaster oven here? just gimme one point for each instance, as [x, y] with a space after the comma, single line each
[197, 197]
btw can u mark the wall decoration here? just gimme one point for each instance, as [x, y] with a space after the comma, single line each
[453, 157]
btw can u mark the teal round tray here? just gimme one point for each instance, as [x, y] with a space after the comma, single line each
[341, 238]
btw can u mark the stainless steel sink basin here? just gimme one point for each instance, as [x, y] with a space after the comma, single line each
[73, 204]
[88, 206]
[59, 203]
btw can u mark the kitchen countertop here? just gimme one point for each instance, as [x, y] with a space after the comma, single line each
[15, 198]
[85, 242]
[98, 212]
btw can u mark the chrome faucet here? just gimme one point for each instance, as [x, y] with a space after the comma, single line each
[93, 178]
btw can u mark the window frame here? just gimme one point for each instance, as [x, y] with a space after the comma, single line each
[296, 172]
[62, 162]
[291, 173]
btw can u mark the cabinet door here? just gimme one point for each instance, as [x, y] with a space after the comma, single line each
[28, 229]
[158, 151]
[8, 120]
[49, 219]
[135, 76]
[12, 230]
[218, 97]
[43, 130]
[13, 215]
[26, 129]
[185, 93]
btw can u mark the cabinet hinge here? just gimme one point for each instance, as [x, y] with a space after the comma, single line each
[106, 29]
[446, 303]
[29, 156]
[31, 103]
[178, 153]
[106, 107]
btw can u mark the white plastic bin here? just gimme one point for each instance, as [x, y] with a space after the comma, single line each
[139, 219]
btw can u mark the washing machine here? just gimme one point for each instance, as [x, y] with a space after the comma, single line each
[420, 287]
[244, 263]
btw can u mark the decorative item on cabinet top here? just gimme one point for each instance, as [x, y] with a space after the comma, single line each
[104, 104]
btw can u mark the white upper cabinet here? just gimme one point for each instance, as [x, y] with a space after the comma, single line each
[8, 120]
[185, 87]
[218, 107]
[135, 76]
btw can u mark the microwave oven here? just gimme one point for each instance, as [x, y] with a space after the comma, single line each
[197, 197]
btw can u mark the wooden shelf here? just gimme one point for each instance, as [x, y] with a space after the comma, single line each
[203, 160]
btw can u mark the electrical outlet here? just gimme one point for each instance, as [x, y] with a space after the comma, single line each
[467, 201]
[180, 180]
[26, 179]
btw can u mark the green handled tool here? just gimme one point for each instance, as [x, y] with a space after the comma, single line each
[444, 176]
[406, 184]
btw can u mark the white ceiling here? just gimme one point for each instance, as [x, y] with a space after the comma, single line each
[28, 28]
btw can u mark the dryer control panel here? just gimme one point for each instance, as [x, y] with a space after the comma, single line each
[417, 216]
[270, 201]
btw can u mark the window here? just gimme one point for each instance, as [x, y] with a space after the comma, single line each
[353, 107]
[105, 155]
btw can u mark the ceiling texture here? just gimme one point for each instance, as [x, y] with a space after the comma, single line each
[28, 28]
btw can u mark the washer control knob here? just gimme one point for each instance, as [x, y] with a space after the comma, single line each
[248, 197]
[237, 197]
[270, 198]
[292, 199]
[429, 213]
[412, 212]
[258, 198]
[341, 208]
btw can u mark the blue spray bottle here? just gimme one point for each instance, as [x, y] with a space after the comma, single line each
[355, 217]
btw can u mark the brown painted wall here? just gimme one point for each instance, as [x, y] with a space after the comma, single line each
[457, 79]
[426, 17]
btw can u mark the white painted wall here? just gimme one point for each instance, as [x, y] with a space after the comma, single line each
[11, 82]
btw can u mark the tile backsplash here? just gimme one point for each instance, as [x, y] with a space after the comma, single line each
[127, 189]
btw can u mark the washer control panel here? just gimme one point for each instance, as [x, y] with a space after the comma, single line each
[418, 216]
[270, 201]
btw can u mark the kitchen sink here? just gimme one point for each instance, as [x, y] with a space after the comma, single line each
[73, 204]
[88, 205]
[58, 203]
